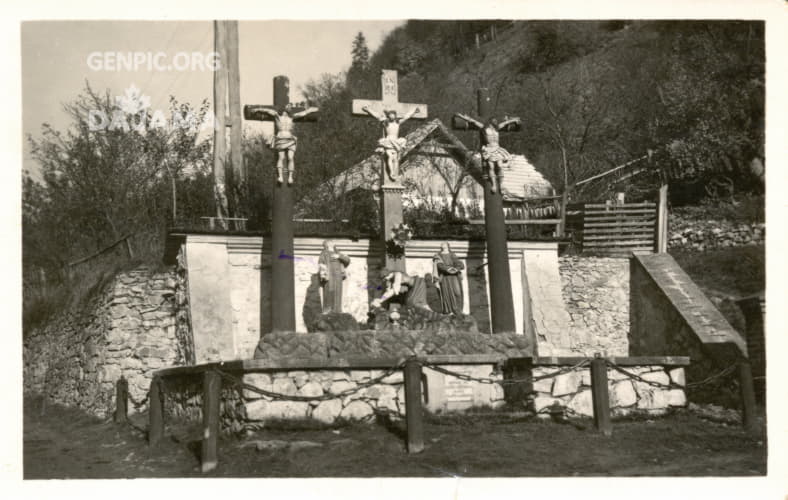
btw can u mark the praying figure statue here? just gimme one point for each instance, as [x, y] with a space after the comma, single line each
[403, 289]
[332, 264]
[447, 267]
[494, 157]
[284, 142]
[391, 144]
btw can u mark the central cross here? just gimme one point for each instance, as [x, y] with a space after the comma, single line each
[390, 113]
[493, 157]
[282, 113]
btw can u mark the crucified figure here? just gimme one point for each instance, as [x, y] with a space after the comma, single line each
[493, 155]
[284, 142]
[391, 144]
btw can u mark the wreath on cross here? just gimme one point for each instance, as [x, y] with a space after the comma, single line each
[401, 234]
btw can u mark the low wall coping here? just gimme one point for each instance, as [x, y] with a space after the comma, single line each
[354, 363]
[366, 363]
[621, 361]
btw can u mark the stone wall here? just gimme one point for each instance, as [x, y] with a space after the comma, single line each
[128, 329]
[388, 344]
[229, 285]
[572, 390]
[695, 234]
[596, 294]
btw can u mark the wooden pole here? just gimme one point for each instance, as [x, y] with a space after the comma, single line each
[212, 388]
[413, 410]
[156, 412]
[561, 231]
[121, 400]
[747, 392]
[234, 92]
[662, 220]
[599, 395]
[282, 258]
[219, 112]
[501, 302]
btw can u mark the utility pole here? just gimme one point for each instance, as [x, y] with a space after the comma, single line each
[219, 113]
[234, 92]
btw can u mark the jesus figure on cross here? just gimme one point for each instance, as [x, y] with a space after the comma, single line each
[493, 155]
[284, 142]
[391, 144]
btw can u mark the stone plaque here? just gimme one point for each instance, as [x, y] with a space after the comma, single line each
[458, 391]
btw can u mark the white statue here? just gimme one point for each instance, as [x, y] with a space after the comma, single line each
[391, 144]
[284, 142]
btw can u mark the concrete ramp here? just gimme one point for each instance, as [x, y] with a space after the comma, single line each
[670, 315]
[546, 317]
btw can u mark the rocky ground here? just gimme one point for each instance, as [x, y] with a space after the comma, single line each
[67, 443]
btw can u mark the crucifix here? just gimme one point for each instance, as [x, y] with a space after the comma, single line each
[283, 114]
[493, 157]
[391, 114]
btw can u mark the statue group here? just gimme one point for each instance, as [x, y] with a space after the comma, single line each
[398, 286]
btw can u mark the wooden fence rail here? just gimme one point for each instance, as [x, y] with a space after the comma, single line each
[619, 228]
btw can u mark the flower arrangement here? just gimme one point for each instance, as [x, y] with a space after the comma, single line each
[400, 236]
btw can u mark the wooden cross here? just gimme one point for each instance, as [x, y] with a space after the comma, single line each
[501, 302]
[282, 312]
[389, 99]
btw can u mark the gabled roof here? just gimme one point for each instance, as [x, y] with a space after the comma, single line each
[521, 179]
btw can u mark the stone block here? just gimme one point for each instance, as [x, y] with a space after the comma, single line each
[311, 389]
[327, 411]
[388, 403]
[395, 378]
[340, 386]
[677, 397]
[542, 402]
[623, 394]
[299, 378]
[567, 383]
[658, 377]
[284, 386]
[651, 398]
[544, 385]
[677, 376]
[260, 380]
[360, 375]
[582, 404]
[357, 410]
[265, 410]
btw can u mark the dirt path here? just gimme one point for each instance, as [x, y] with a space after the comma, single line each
[65, 443]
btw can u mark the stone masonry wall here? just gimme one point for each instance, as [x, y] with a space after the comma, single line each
[573, 390]
[247, 409]
[690, 233]
[596, 293]
[128, 329]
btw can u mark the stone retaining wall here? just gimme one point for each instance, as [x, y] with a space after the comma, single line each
[129, 329]
[596, 294]
[247, 409]
[705, 234]
[573, 390]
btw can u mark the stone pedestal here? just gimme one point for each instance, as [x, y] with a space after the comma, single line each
[391, 212]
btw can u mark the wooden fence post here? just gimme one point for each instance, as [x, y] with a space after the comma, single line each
[413, 411]
[599, 395]
[155, 412]
[121, 400]
[662, 220]
[212, 388]
[561, 229]
[747, 392]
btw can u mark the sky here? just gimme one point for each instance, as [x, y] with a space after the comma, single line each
[58, 57]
